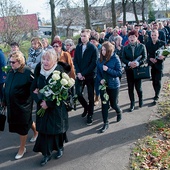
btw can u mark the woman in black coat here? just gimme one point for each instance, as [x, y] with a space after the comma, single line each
[53, 125]
[134, 55]
[17, 98]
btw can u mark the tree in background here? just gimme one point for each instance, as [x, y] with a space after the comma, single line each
[151, 16]
[134, 10]
[113, 13]
[124, 3]
[13, 25]
[53, 19]
[87, 16]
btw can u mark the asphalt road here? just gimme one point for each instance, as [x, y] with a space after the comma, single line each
[87, 149]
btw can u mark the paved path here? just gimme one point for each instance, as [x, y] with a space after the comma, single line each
[87, 149]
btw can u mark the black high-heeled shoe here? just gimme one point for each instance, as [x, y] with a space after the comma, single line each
[45, 160]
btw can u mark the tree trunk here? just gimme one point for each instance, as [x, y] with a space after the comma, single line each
[67, 30]
[87, 16]
[124, 2]
[143, 10]
[53, 19]
[134, 10]
[113, 14]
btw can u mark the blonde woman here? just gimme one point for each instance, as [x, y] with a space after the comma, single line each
[17, 98]
[53, 125]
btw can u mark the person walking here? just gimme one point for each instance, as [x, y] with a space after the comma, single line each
[18, 100]
[53, 125]
[134, 55]
[108, 72]
[156, 62]
[85, 58]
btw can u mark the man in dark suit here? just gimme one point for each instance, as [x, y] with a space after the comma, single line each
[85, 64]
[156, 62]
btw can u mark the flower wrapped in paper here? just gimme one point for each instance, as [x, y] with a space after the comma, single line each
[103, 88]
[57, 89]
[163, 51]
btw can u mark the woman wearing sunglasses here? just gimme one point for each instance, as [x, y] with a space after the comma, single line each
[17, 98]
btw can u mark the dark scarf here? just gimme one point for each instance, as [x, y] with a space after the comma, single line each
[35, 53]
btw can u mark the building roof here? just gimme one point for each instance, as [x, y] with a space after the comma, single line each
[29, 20]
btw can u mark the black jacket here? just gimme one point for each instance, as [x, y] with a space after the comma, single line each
[127, 55]
[86, 63]
[17, 96]
[151, 49]
[55, 119]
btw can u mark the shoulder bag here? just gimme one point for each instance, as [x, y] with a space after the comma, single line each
[142, 72]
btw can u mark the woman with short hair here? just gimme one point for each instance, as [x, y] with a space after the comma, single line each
[134, 55]
[17, 99]
[53, 125]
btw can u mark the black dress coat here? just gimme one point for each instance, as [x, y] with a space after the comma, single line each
[55, 119]
[128, 56]
[17, 96]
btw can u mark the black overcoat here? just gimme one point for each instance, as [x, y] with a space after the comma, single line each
[17, 96]
[55, 119]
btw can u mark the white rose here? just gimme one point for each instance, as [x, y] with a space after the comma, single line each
[64, 82]
[65, 76]
[56, 72]
[55, 76]
[71, 82]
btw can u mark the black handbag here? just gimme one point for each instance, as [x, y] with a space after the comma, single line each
[2, 118]
[142, 72]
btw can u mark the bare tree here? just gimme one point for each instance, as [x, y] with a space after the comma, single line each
[124, 3]
[113, 13]
[134, 10]
[13, 23]
[86, 12]
[53, 19]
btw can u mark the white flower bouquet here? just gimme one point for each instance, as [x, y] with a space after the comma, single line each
[163, 51]
[56, 89]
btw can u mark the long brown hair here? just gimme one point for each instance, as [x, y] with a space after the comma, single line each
[109, 51]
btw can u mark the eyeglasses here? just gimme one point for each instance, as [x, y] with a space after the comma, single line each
[55, 46]
[12, 62]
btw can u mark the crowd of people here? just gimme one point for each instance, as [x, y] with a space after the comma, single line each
[98, 60]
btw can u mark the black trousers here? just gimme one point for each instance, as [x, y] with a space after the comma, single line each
[90, 89]
[133, 83]
[156, 80]
[113, 99]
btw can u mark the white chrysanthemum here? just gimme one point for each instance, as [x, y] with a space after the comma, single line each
[56, 72]
[65, 76]
[55, 76]
[71, 82]
[64, 82]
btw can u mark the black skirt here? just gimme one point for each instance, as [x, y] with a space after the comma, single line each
[47, 143]
[21, 129]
